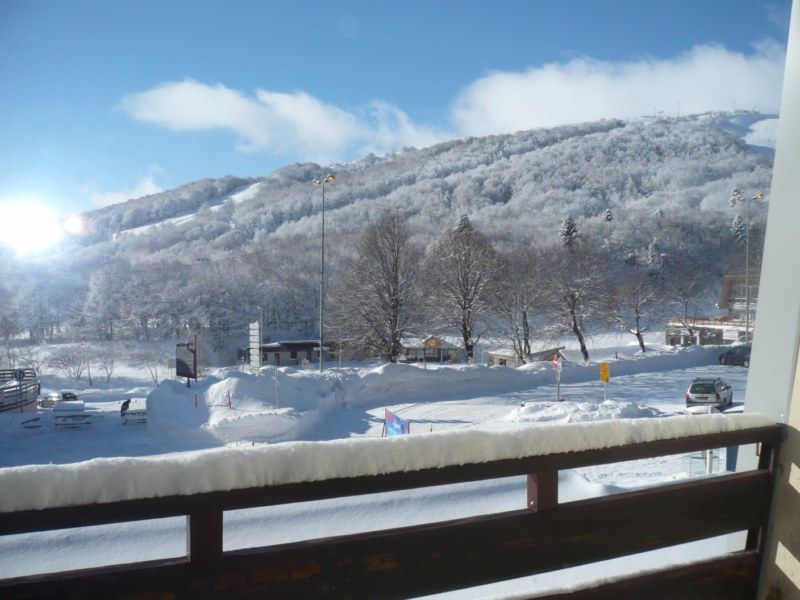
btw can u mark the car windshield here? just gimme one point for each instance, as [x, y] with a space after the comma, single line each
[702, 388]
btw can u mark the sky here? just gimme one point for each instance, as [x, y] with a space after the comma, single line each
[104, 101]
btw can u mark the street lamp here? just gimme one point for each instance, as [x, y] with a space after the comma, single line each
[737, 198]
[317, 183]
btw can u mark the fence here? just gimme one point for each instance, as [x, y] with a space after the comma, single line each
[545, 535]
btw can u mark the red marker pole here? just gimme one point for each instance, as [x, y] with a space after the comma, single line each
[229, 399]
[195, 399]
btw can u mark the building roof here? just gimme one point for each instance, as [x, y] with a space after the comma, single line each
[292, 345]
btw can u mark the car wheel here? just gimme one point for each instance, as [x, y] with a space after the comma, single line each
[746, 363]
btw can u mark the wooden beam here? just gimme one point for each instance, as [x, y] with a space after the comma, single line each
[433, 558]
[730, 577]
[152, 508]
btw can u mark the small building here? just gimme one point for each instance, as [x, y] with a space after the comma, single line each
[506, 357]
[289, 353]
[429, 349]
[726, 329]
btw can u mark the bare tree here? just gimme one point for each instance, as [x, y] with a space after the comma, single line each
[30, 357]
[152, 360]
[106, 357]
[70, 361]
[9, 323]
[520, 299]
[576, 292]
[683, 288]
[464, 273]
[378, 297]
[634, 304]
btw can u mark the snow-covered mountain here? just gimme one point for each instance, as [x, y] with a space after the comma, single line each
[215, 249]
[525, 181]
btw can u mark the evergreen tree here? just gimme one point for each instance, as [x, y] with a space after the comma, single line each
[739, 230]
[569, 232]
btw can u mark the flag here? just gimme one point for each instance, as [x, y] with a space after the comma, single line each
[394, 425]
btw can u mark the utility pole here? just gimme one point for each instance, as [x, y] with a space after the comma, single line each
[328, 179]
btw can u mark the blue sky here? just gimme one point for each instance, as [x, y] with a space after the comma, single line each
[104, 100]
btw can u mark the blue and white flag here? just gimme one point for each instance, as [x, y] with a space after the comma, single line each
[394, 425]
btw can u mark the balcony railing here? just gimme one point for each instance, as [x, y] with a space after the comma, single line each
[545, 535]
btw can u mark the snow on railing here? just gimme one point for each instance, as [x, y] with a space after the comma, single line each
[105, 480]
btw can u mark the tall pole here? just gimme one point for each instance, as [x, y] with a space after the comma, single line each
[328, 179]
[747, 272]
[322, 281]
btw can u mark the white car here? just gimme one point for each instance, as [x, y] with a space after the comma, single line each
[709, 391]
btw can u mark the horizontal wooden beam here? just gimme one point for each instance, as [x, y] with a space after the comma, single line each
[730, 577]
[456, 554]
[153, 508]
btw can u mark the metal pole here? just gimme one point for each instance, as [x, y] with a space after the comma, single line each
[747, 273]
[558, 385]
[322, 281]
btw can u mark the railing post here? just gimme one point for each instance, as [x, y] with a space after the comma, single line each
[543, 490]
[204, 536]
[767, 457]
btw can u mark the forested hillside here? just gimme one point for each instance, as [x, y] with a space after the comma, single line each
[208, 253]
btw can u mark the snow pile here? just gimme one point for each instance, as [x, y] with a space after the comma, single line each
[579, 412]
[260, 412]
[666, 359]
[115, 479]
[239, 407]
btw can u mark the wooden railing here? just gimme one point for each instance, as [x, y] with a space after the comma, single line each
[544, 536]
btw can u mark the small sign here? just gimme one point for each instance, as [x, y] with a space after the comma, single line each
[604, 373]
[186, 361]
[19, 374]
[557, 362]
[394, 425]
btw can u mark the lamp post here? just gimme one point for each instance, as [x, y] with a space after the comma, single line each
[737, 198]
[317, 183]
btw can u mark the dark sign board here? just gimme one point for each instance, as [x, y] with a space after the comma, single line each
[186, 361]
[19, 374]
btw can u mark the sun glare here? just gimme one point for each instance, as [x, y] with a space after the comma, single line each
[28, 228]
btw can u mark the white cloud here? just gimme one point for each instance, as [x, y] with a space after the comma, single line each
[144, 187]
[704, 78]
[304, 127]
[288, 123]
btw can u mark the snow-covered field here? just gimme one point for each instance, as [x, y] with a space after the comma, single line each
[350, 402]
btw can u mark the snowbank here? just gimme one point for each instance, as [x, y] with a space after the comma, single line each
[580, 412]
[115, 479]
[261, 412]
[239, 407]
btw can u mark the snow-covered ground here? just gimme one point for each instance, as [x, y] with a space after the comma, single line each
[350, 402]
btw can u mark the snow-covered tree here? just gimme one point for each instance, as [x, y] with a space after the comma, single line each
[576, 294]
[70, 361]
[739, 230]
[519, 302]
[608, 216]
[463, 272]
[378, 299]
[568, 232]
[635, 304]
